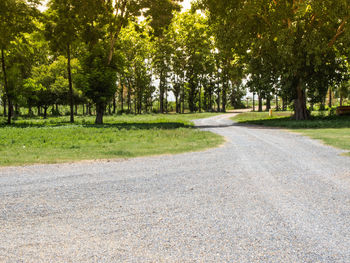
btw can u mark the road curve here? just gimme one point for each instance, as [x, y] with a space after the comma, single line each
[266, 196]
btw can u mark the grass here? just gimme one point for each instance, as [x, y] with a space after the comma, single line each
[332, 130]
[55, 140]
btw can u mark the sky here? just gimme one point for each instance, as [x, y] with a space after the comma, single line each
[186, 4]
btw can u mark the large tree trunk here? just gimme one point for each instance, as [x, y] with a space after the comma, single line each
[9, 101]
[71, 98]
[330, 98]
[100, 110]
[300, 109]
[341, 100]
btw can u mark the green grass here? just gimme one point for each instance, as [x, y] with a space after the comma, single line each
[55, 140]
[332, 130]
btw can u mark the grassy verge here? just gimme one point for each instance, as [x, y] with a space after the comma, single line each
[55, 140]
[332, 130]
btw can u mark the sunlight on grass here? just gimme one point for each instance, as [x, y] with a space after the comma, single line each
[54, 140]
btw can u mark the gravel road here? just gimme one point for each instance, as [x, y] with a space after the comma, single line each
[266, 196]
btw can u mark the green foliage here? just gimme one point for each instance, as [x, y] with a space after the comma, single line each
[294, 44]
[96, 78]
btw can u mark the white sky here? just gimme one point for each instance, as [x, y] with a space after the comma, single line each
[186, 4]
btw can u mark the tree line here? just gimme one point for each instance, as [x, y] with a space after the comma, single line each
[297, 50]
[133, 55]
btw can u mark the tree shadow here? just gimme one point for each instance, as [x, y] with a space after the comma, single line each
[119, 126]
[318, 122]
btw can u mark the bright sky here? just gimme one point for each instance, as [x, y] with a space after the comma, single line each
[186, 4]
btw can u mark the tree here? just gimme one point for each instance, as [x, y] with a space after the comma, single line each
[16, 18]
[61, 31]
[305, 36]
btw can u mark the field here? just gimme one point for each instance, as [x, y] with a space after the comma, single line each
[55, 140]
[332, 130]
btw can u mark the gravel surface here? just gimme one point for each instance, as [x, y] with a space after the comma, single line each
[266, 196]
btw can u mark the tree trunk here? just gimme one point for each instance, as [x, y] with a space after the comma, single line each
[268, 103]
[300, 109]
[10, 112]
[183, 98]
[200, 99]
[260, 103]
[89, 109]
[341, 100]
[218, 101]
[253, 101]
[277, 106]
[166, 99]
[45, 112]
[71, 98]
[5, 105]
[16, 112]
[330, 98]
[177, 104]
[100, 110]
[284, 105]
[114, 105]
[224, 99]
[122, 100]
[9, 101]
[161, 94]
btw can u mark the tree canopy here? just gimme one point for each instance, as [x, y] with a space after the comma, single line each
[141, 55]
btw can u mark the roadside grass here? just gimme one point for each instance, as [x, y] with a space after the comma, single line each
[55, 140]
[332, 130]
